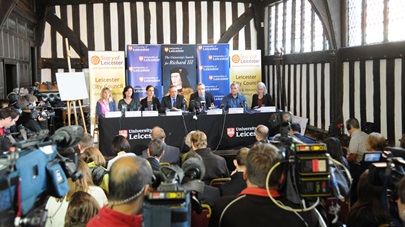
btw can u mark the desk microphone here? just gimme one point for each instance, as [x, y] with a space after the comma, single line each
[139, 107]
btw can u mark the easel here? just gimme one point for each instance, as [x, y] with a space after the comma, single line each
[70, 102]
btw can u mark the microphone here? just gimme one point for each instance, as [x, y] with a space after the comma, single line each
[68, 136]
[139, 107]
[194, 169]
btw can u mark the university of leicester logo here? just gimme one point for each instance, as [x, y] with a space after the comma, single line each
[211, 77]
[230, 132]
[141, 79]
[130, 68]
[123, 133]
[130, 47]
[201, 67]
[166, 49]
[199, 47]
[210, 57]
[140, 58]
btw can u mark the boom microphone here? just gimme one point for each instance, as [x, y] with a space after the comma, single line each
[68, 136]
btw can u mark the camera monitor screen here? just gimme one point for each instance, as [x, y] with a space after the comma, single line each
[372, 157]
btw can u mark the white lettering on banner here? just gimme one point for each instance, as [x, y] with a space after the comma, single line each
[242, 132]
[139, 134]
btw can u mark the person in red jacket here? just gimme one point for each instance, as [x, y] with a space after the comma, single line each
[129, 182]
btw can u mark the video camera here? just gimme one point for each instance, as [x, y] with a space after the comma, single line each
[172, 202]
[31, 171]
[45, 111]
[309, 171]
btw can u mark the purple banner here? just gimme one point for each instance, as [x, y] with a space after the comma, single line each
[179, 69]
[144, 68]
[213, 69]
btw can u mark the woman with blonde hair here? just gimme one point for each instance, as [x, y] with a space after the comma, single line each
[261, 98]
[105, 103]
[96, 162]
[215, 165]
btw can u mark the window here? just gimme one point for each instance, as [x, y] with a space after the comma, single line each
[374, 21]
[295, 27]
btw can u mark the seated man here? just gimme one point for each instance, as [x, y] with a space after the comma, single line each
[129, 182]
[295, 131]
[171, 154]
[252, 207]
[262, 134]
[234, 99]
[201, 100]
[155, 152]
[173, 101]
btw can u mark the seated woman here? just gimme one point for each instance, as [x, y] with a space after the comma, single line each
[129, 102]
[261, 98]
[96, 162]
[121, 148]
[334, 148]
[82, 207]
[369, 209]
[150, 102]
[376, 142]
[105, 103]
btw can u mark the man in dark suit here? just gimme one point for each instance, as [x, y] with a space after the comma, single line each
[201, 99]
[295, 131]
[171, 154]
[155, 152]
[173, 101]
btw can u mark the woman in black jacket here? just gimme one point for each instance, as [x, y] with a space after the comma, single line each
[261, 98]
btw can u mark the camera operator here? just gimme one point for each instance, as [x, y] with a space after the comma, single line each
[401, 199]
[27, 103]
[8, 118]
[252, 207]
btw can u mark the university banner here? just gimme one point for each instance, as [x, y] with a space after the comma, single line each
[246, 69]
[106, 69]
[213, 69]
[179, 69]
[144, 68]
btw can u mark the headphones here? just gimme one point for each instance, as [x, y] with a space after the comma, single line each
[348, 127]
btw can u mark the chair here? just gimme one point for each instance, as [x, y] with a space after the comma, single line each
[218, 182]
[201, 220]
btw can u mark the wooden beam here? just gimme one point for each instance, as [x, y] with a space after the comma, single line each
[6, 7]
[61, 27]
[61, 63]
[237, 25]
[371, 52]
[302, 58]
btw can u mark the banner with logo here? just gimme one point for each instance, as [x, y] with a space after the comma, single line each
[246, 69]
[213, 69]
[106, 69]
[144, 68]
[179, 69]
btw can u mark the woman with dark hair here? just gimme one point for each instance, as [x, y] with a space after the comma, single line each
[369, 209]
[121, 148]
[128, 102]
[334, 148]
[150, 102]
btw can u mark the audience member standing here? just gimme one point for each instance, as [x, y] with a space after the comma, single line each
[215, 165]
[358, 141]
[252, 207]
[129, 182]
[237, 183]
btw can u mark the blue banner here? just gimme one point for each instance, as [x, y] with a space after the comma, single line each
[213, 69]
[179, 68]
[144, 68]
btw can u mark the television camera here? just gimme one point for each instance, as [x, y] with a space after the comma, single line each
[44, 110]
[31, 171]
[309, 171]
[172, 200]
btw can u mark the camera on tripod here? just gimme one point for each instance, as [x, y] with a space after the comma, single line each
[45, 111]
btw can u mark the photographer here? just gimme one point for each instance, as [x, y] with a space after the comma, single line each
[8, 118]
[252, 207]
[29, 117]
